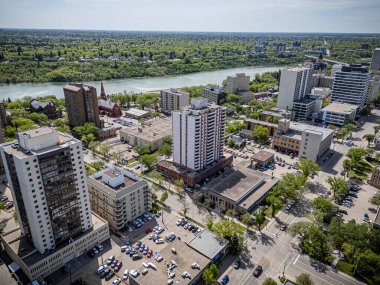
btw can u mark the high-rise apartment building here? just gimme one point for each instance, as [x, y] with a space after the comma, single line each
[81, 104]
[373, 89]
[47, 177]
[198, 134]
[239, 82]
[351, 85]
[118, 196]
[173, 99]
[295, 84]
[375, 62]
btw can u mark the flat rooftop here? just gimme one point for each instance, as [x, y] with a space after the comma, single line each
[242, 185]
[263, 155]
[304, 127]
[208, 243]
[184, 258]
[136, 112]
[14, 148]
[38, 132]
[155, 130]
[25, 249]
[337, 107]
[128, 178]
[263, 123]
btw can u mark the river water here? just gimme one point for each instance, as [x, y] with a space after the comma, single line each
[137, 85]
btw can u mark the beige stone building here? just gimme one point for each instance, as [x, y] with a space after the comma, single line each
[118, 196]
[173, 100]
[239, 82]
[152, 133]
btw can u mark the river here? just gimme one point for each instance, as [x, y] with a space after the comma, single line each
[137, 85]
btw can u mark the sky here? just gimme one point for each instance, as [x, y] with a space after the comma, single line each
[341, 16]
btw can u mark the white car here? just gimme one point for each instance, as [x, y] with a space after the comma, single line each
[159, 258]
[160, 240]
[126, 274]
[134, 273]
[116, 281]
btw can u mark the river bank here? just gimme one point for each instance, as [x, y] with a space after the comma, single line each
[132, 85]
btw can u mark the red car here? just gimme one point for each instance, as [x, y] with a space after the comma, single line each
[118, 266]
[149, 253]
[148, 230]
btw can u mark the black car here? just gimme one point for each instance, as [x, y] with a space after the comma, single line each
[258, 270]
[194, 230]
[109, 275]
[105, 272]
[373, 210]
[237, 264]
[79, 281]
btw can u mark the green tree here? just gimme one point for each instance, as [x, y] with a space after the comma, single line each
[260, 134]
[269, 281]
[356, 155]
[142, 149]
[247, 220]
[376, 129]
[179, 184]
[164, 196]
[166, 149]
[370, 138]
[210, 274]
[338, 185]
[259, 220]
[233, 232]
[94, 145]
[104, 149]
[86, 129]
[275, 203]
[324, 208]
[117, 156]
[304, 279]
[148, 160]
[308, 167]
[300, 230]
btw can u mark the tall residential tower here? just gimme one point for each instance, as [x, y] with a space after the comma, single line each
[198, 134]
[351, 85]
[81, 104]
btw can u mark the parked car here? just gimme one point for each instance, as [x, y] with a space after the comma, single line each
[225, 279]
[283, 227]
[110, 259]
[373, 210]
[109, 275]
[237, 264]
[116, 281]
[258, 270]
[126, 274]
[160, 240]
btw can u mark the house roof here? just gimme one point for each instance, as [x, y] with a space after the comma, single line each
[106, 104]
[37, 104]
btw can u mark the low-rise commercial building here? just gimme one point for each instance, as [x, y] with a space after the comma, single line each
[118, 196]
[305, 141]
[36, 265]
[304, 109]
[263, 158]
[137, 113]
[107, 132]
[214, 94]
[339, 114]
[275, 114]
[375, 178]
[240, 188]
[152, 134]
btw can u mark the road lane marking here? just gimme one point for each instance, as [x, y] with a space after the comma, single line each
[295, 261]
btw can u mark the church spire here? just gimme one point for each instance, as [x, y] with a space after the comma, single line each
[102, 93]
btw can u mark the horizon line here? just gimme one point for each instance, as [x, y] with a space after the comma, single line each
[169, 31]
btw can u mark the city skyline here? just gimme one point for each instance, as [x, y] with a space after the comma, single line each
[198, 16]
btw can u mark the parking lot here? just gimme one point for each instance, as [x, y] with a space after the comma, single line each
[84, 267]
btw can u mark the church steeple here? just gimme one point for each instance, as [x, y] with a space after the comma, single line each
[102, 93]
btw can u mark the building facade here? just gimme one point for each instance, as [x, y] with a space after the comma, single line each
[46, 173]
[81, 104]
[173, 100]
[295, 84]
[118, 196]
[373, 89]
[375, 178]
[198, 134]
[338, 114]
[214, 94]
[351, 85]
[239, 82]
[109, 108]
[375, 62]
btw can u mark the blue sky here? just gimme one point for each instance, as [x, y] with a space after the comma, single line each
[194, 15]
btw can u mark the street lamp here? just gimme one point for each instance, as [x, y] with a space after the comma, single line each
[286, 260]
